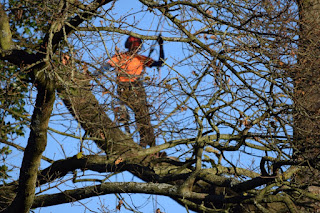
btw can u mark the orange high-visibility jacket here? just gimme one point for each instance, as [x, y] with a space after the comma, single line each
[128, 66]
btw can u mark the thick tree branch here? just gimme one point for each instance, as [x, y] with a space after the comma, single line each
[58, 36]
[132, 187]
[36, 145]
[8, 50]
[86, 109]
[6, 42]
[38, 135]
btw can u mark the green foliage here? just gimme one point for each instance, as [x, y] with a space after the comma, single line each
[4, 169]
[13, 115]
[28, 20]
[12, 102]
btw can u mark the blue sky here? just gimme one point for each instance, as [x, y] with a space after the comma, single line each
[59, 146]
[93, 51]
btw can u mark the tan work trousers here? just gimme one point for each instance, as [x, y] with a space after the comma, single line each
[134, 96]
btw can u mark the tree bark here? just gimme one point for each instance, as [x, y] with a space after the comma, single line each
[306, 78]
[36, 145]
[86, 109]
[39, 124]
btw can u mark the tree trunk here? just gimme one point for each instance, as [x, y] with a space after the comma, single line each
[307, 94]
[37, 143]
[306, 79]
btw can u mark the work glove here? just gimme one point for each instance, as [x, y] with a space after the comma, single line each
[159, 39]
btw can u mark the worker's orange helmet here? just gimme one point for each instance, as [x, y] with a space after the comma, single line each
[133, 42]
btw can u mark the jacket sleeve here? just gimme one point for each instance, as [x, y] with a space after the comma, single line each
[146, 60]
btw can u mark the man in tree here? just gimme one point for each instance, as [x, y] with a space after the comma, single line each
[130, 67]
